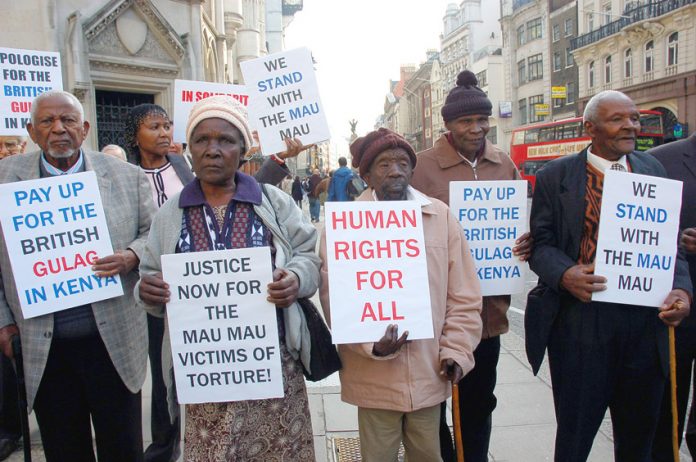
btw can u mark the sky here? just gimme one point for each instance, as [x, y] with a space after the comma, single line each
[359, 45]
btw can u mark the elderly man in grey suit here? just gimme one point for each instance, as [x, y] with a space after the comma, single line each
[86, 363]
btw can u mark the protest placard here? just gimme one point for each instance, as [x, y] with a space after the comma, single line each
[55, 229]
[284, 99]
[25, 75]
[189, 92]
[223, 331]
[637, 239]
[493, 215]
[378, 273]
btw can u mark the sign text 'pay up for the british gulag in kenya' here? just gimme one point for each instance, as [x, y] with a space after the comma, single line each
[284, 99]
[637, 241]
[24, 75]
[493, 215]
[377, 270]
[189, 92]
[55, 229]
[223, 331]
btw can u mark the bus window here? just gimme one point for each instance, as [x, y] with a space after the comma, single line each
[650, 123]
[518, 137]
[570, 130]
[531, 135]
[531, 166]
[547, 134]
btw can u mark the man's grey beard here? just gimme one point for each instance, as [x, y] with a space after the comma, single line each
[62, 155]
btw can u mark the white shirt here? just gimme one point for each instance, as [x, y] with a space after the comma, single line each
[603, 164]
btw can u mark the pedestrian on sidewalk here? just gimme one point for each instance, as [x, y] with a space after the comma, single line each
[313, 195]
[465, 154]
[339, 182]
[679, 160]
[601, 355]
[297, 192]
[398, 384]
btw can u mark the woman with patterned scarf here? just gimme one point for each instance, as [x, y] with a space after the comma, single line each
[225, 209]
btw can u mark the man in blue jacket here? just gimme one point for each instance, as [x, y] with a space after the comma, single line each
[341, 177]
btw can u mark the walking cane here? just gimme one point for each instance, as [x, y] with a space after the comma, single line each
[22, 394]
[458, 444]
[673, 393]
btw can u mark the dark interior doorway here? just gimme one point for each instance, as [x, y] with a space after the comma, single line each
[112, 108]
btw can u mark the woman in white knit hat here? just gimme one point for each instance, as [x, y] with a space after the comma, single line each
[224, 209]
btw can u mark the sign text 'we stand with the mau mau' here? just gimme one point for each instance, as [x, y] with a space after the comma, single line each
[637, 242]
[377, 270]
[223, 331]
[55, 229]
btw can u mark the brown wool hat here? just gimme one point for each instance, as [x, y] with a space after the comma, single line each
[365, 149]
[466, 99]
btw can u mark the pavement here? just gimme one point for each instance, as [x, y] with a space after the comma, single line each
[523, 423]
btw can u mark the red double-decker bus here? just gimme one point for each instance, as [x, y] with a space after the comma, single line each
[534, 145]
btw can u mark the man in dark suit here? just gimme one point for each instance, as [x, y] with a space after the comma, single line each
[679, 160]
[601, 355]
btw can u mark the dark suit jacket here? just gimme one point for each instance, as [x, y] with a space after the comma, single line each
[557, 217]
[679, 159]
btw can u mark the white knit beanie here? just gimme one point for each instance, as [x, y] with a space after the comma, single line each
[220, 107]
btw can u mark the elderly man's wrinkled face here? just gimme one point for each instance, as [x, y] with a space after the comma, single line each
[216, 147]
[11, 145]
[57, 127]
[389, 174]
[615, 128]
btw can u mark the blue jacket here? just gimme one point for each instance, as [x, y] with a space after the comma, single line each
[337, 186]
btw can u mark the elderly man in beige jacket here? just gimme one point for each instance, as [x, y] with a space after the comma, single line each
[397, 383]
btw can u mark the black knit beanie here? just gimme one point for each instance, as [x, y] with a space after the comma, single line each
[466, 99]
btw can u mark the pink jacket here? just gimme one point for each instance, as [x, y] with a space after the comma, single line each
[410, 379]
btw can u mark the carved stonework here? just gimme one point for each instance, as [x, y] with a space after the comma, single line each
[132, 67]
[104, 21]
[108, 43]
[640, 33]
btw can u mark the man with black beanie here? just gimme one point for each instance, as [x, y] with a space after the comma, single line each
[464, 154]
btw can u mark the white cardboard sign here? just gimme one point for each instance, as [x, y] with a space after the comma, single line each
[223, 331]
[189, 92]
[284, 99]
[55, 229]
[377, 270]
[637, 241]
[24, 75]
[493, 215]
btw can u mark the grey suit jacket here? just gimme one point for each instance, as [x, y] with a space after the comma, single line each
[127, 200]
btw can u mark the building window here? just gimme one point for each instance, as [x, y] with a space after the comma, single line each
[673, 49]
[493, 135]
[606, 14]
[628, 63]
[557, 62]
[521, 73]
[482, 79]
[520, 35]
[590, 75]
[558, 102]
[523, 111]
[570, 92]
[649, 64]
[570, 61]
[534, 29]
[607, 69]
[534, 100]
[556, 32]
[568, 27]
[590, 22]
[535, 67]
